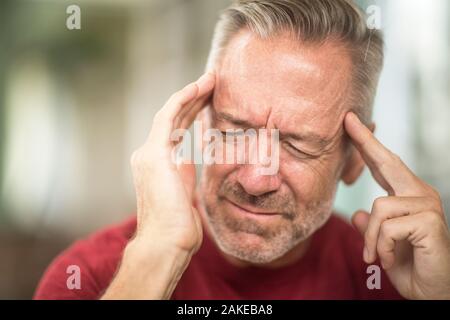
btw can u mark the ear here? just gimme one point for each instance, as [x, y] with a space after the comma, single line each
[355, 164]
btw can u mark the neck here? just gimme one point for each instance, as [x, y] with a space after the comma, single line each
[288, 259]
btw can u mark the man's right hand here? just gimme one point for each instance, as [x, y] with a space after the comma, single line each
[169, 228]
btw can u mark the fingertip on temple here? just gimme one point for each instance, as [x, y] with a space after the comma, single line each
[352, 124]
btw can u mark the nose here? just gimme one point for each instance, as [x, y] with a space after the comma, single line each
[255, 182]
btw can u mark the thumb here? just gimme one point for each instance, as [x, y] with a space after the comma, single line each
[360, 220]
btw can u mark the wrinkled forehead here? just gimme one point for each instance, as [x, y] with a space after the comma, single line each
[283, 81]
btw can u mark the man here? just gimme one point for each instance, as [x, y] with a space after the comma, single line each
[310, 70]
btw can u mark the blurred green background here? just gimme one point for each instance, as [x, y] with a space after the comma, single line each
[74, 104]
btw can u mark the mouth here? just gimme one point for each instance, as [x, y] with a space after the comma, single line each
[250, 210]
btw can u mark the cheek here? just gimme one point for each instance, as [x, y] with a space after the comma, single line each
[214, 175]
[310, 180]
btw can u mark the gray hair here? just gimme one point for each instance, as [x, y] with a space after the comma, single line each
[313, 21]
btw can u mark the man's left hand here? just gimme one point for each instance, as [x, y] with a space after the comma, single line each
[407, 229]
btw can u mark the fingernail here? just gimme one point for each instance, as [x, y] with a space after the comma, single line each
[366, 254]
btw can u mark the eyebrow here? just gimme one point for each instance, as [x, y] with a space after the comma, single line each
[223, 116]
[310, 137]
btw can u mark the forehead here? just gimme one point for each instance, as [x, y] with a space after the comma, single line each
[284, 81]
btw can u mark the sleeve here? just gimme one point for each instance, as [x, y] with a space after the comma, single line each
[70, 275]
[85, 270]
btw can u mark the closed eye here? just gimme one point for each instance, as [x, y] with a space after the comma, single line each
[298, 153]
[232, 133]
[237, 133]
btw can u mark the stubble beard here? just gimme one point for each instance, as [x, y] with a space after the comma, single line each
[248, 240]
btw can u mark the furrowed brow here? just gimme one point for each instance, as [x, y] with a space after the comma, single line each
[311, 138]
[224, 116]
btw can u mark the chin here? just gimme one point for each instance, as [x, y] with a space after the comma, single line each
[257, 239]
[252, 248]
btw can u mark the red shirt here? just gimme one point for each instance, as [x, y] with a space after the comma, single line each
[332, 268]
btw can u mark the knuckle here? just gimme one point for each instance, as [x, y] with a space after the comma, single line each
[385, 229]
[175, 97]
[433, 203]
[396, 158]
[136, 158]
[434, 218]
[159, 116]
[434, 193]
[139, 160]
[380, 248]
[378, 205]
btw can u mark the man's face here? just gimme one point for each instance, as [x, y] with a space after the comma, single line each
[302, 90]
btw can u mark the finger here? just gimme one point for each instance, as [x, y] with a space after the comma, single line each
[205, 88]
[194, 111]
[203, 83]
[164, 119]
[416, 229]
[387, 168]
[360, 220]
[385, 208]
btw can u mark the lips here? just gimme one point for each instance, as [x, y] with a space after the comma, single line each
[252, 209]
